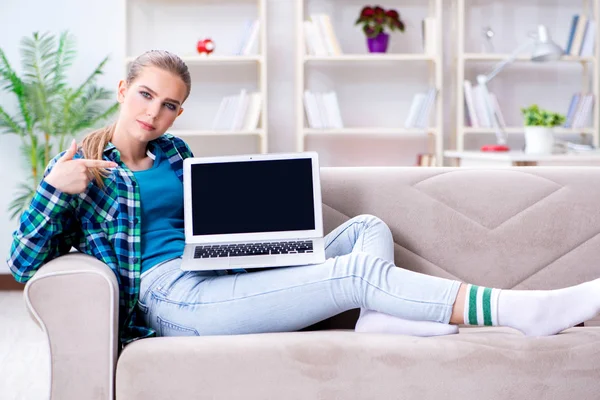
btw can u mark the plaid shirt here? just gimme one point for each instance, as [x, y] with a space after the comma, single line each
[102, 223]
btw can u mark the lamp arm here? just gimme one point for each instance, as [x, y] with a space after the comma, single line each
[503, 64]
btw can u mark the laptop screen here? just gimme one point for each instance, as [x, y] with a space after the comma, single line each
[252, 196]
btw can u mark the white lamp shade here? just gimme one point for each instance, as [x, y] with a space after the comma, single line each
[545, 49]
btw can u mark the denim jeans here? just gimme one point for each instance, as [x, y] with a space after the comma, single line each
[358, 273]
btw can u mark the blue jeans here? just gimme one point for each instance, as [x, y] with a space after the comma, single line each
[358, 273]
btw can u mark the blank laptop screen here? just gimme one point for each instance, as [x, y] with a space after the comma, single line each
[253, 196]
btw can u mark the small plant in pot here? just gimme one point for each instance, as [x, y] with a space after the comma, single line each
[375, 20]
[539, 129]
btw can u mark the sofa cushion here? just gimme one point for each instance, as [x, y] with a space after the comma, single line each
[488, 362]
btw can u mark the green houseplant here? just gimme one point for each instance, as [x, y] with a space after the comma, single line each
[539, 129]
[49, 111]
[375, 20]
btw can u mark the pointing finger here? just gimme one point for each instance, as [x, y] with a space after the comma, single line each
[70, 152]
[97, 163]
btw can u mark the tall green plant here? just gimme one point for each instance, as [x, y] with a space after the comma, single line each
[49, 111]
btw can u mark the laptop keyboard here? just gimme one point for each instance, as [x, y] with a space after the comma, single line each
[253, 249]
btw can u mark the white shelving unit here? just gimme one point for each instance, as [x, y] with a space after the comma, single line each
[176, 26]
[483, 62]
[343, 15]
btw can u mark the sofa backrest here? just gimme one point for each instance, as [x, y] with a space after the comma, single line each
[520, 227]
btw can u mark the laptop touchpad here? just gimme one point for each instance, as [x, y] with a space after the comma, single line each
[258, 261]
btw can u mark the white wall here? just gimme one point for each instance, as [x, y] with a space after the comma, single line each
[98, 28]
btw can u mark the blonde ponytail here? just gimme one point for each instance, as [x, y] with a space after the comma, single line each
[93, 149]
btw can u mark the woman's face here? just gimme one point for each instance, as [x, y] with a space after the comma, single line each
[150, 104]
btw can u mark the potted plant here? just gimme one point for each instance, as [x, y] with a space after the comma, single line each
[374, 21]
[48, 110]
[539, 129]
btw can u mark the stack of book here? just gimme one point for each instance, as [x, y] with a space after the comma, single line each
[477, 111]
[579, 110]
[582, 35]
[249, 39]
[426, 160]
[322, 110]
[320, 37]
[239, 112]
[420, 109]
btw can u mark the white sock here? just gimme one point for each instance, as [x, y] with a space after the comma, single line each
[376, 322]
[533, 312]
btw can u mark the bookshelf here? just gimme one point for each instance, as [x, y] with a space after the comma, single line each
[569, 74]
[176, 26]
[347, 73]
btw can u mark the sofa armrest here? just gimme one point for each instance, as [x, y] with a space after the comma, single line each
[74, 299]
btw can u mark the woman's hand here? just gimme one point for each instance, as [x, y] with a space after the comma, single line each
[72, 176]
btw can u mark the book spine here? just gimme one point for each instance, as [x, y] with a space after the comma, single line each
[252, 40]
[579, 34]
[571, 33]
[470, 101]
[571, 110]
[413, 112]
[589, 40]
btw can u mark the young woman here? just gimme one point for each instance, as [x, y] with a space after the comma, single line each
[119, 198]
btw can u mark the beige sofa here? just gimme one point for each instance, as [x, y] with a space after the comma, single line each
[527, 228]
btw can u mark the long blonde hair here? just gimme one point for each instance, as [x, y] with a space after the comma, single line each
[94, 143]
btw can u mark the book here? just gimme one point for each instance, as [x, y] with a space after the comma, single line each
[583, 112]
[240, 111]
[424, 112]
[429, 36]
[325, 30]
[250, 47]
[244, 37]
[415, 107]
[332, 108]
[426, 160]
[253, 111]
[573, 105]
[312, 111]
[470, 102]
[314, 43]
[571, 33]
[589, 40]
[322, 110]
[578, 36]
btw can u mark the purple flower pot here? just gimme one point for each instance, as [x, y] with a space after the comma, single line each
[379, 43]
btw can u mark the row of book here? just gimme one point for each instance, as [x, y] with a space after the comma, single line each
[249, 39]
[240, 112]
[579, 110]
[420, 109]
[582, 36]
[321, 40]
[320, 37]
[322, 110]
[477, 113]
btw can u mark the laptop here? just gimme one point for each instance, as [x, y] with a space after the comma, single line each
[252, 211]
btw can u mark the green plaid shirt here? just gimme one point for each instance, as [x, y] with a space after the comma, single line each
[102, 223]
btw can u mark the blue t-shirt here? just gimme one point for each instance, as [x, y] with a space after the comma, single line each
[161, 198]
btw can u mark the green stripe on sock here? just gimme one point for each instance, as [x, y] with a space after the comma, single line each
[473, 305]
[487, 306]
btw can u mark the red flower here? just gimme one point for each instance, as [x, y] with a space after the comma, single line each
[367, 12]
[393, 14]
